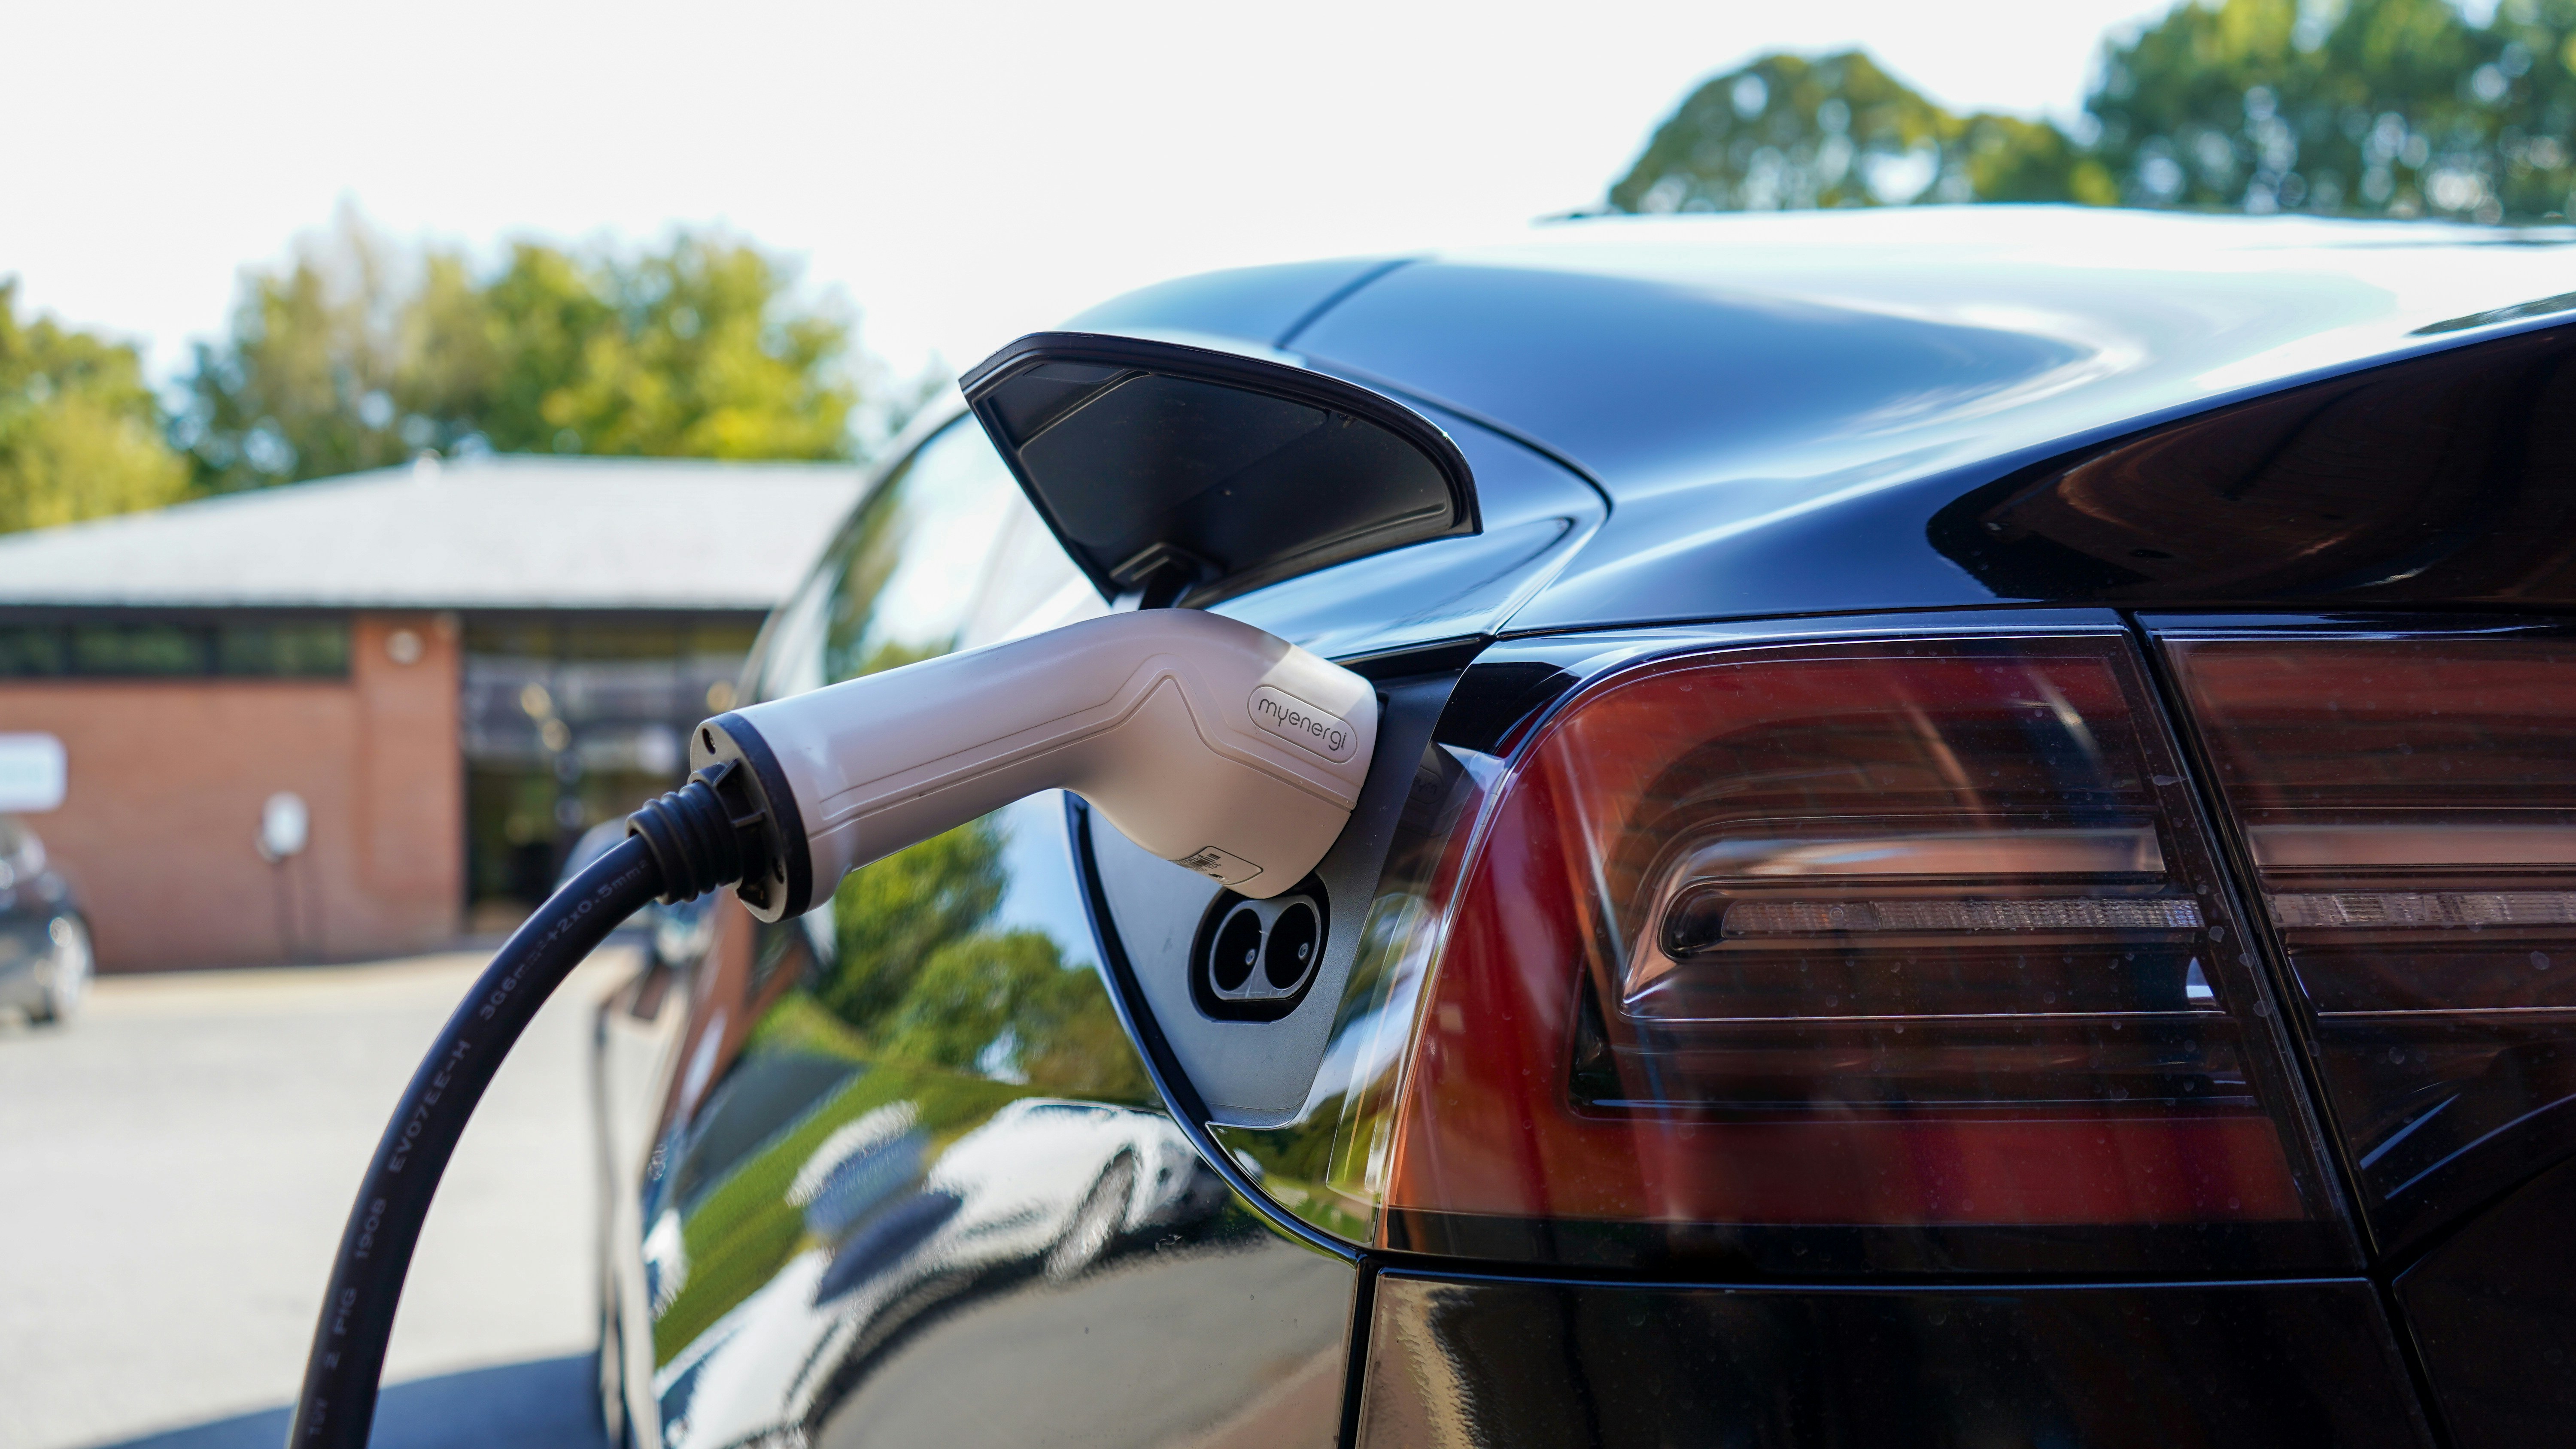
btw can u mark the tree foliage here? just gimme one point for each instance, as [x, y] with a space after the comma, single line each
[1787, 133]
[360, 353]
[2371, 107]
[891, 915]
[80, 434]
[2397, 107]
[921, 973]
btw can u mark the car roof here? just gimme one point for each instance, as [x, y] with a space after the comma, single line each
[1738, 384]
[1655, 352]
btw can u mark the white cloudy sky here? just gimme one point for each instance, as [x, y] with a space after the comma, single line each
[963, 173]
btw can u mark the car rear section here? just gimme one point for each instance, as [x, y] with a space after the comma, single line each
[1842, 1033]
[2043, 916]
[2055, 1026]
[2109, 1002]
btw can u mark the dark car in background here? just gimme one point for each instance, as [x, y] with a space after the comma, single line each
[45, 958]
[1975, 845]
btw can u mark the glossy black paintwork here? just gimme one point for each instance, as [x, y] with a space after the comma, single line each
[1647, 380]
[1267, 305]
[1917, 528]
[1607, 1366]
[2494, 1311]
[1725, 420]
[1783, 407]
[42, 932]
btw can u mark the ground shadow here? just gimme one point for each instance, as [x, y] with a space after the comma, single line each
[546, 1402]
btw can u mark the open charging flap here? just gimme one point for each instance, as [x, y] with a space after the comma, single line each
[1184, 475]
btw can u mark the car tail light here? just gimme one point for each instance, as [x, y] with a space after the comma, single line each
[1842, 956]
[2409, 807]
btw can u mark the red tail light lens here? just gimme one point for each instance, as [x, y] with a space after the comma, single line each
[1852, 955]
[2410, 808]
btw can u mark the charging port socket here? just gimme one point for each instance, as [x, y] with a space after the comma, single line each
[1255, 960]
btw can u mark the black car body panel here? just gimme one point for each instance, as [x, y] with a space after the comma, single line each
[1938, 420]
[24, 949]
[1625, 1366]
[2494, 1312]
[42, 931]
[1261, 305]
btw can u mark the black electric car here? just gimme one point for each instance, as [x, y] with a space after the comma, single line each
[1973, 842]
[45, 958]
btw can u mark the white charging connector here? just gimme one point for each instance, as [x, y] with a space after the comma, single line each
[1201, 738]
[1205, 740]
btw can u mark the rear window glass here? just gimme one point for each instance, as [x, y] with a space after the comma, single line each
[945, 554]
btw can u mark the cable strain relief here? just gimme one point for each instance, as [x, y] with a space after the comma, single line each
[695, 835]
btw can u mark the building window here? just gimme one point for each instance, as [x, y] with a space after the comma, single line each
[570, 723]
[160, 649]
[291, 651]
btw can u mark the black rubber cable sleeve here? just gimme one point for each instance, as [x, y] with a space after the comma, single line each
[338, 1403]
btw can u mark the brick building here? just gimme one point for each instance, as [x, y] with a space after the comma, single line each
[454, 668]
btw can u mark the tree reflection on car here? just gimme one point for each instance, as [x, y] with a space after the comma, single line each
[918, 1121]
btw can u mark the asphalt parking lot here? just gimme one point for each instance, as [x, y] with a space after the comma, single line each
[174, 1169]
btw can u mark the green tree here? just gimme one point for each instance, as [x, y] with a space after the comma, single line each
[695, 354]
[697, 350]
[966, 998]
[889, 916]
[362, 352]
[920, 974]
[80, 435]
[2368, 107]
[2395, 107]
[1786, 132]
[2531, 168]
[306, 384]
[1004, 1004]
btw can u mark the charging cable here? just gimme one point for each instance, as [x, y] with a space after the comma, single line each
[1202, 739]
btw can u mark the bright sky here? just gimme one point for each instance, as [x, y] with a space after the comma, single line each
[964, 173]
